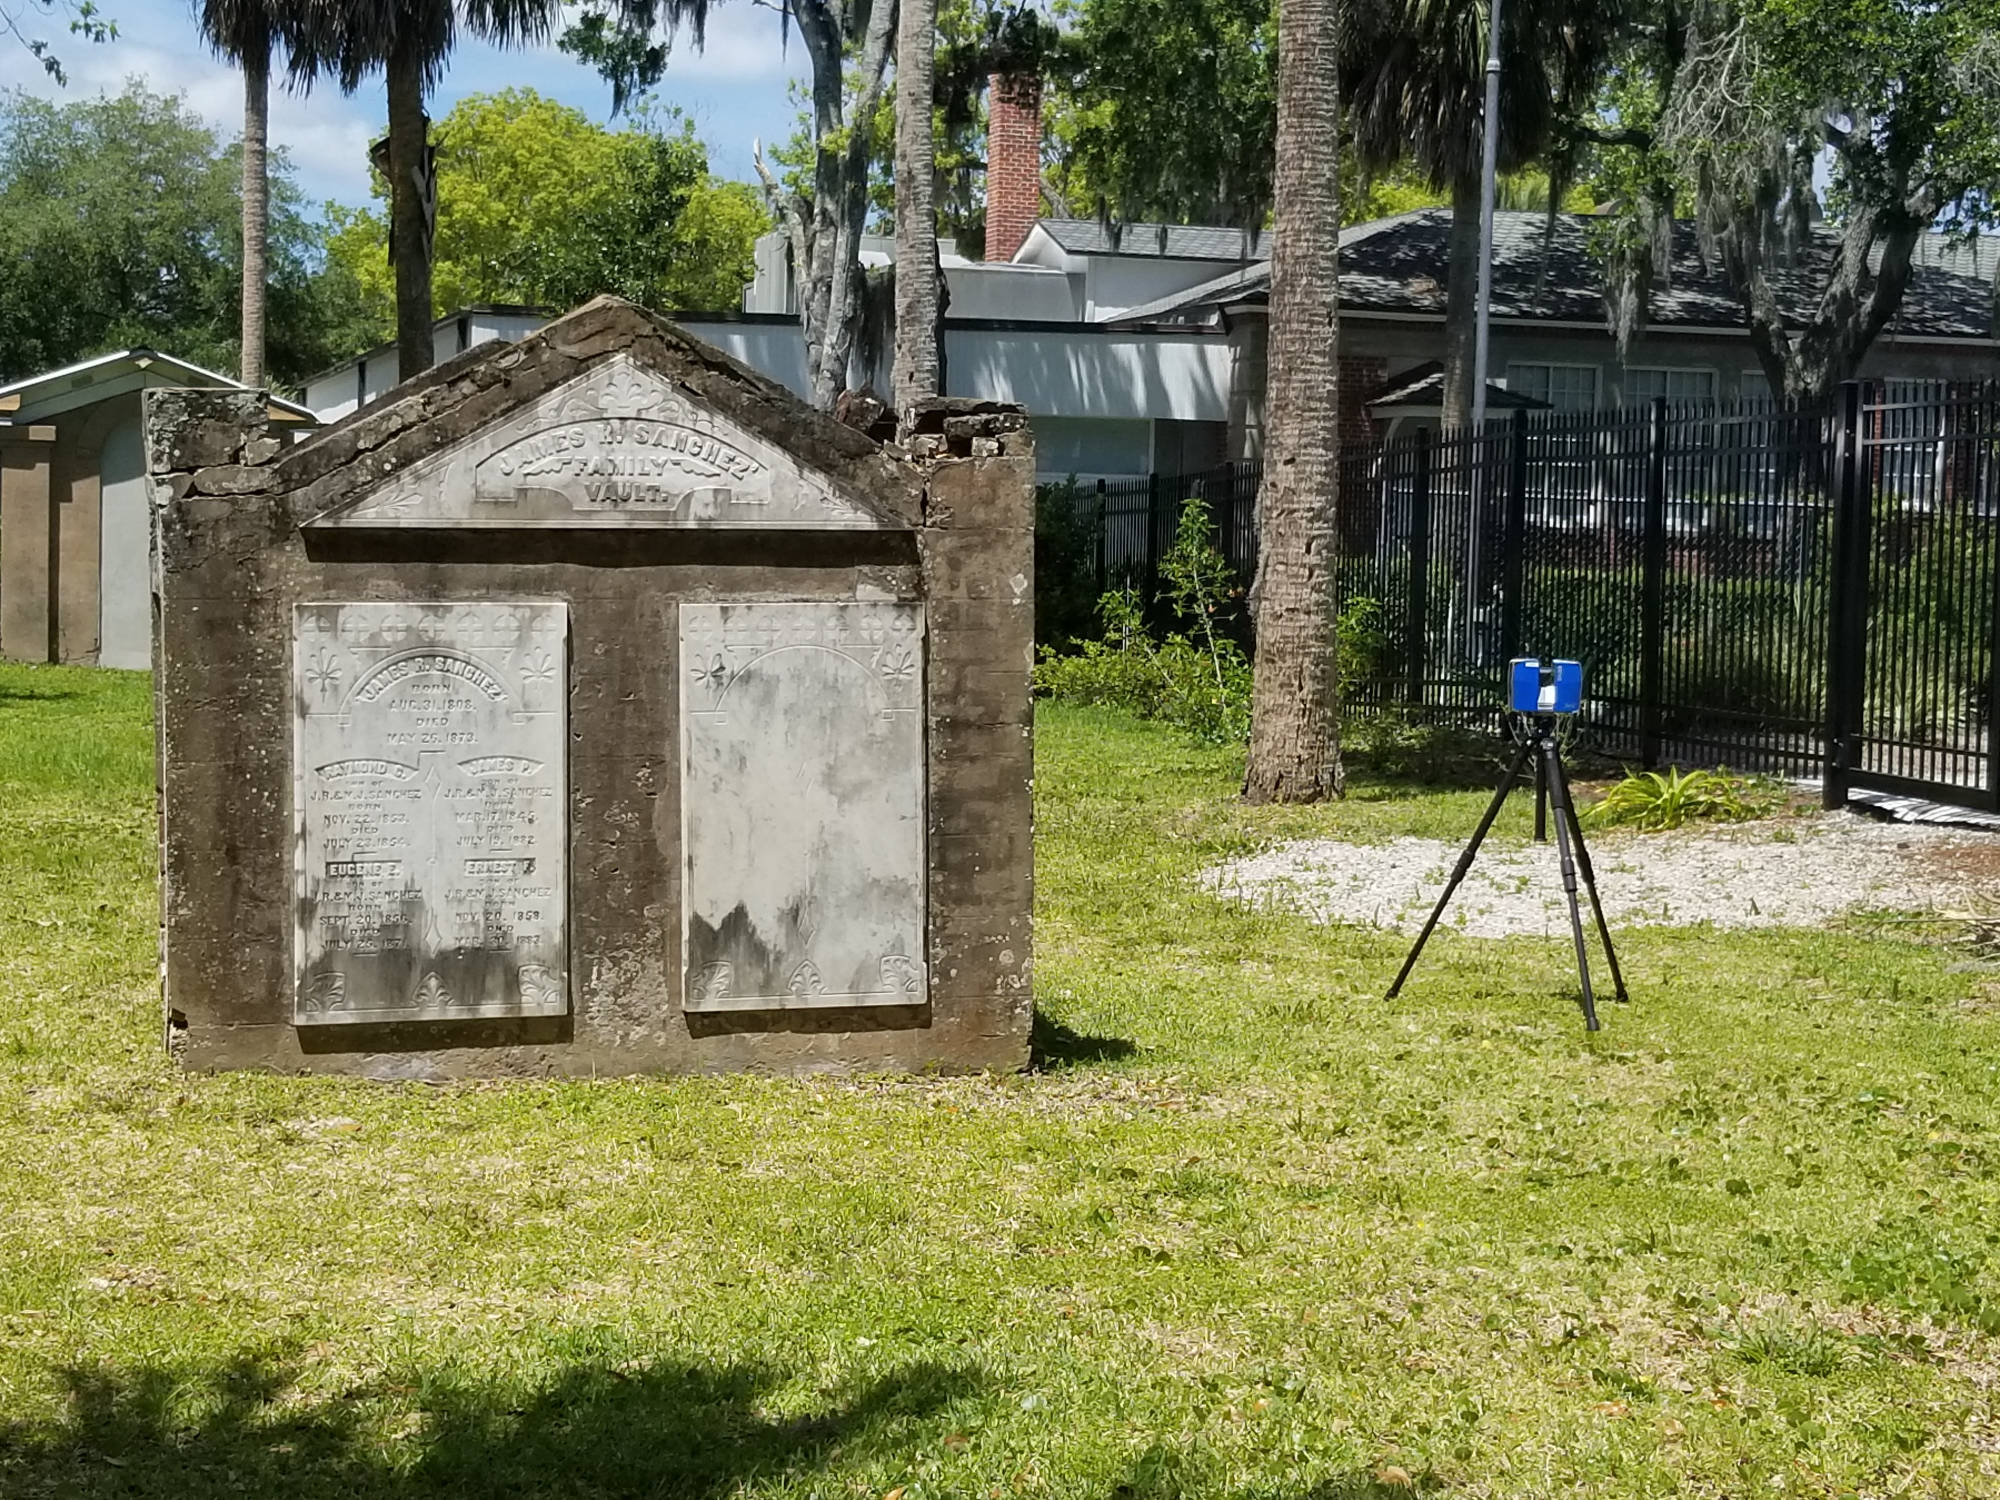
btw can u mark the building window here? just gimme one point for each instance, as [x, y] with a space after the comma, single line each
[1677, 386]
[1911, 441]
[1565, 387]
[1753, 388]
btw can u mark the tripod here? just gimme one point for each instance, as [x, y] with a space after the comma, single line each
[1538, 741]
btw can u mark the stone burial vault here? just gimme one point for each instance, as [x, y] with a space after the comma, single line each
[592, 705]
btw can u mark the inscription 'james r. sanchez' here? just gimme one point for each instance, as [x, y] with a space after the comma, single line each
[621, 445]
[626, 461]
[430, 813]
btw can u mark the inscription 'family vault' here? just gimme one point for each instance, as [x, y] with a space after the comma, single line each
[802, 796]
[430, 812]
[619, 446]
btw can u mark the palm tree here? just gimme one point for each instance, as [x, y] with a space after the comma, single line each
[916, 370]
[410, 41]
[1413, 74]
[243, 31]
[1294, 709]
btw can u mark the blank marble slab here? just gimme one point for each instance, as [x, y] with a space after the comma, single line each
[802, 799]
[430, 811]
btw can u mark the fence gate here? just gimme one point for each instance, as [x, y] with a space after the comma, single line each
[1915, 628]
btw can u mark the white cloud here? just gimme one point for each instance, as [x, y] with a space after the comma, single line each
[325, 135]
[744, 42]
[734, 89]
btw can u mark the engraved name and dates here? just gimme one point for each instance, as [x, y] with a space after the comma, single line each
[430, 811]
[620, 445]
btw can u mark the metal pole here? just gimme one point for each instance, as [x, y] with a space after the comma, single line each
[1489, 129]
[1847, 648]
[1653, 586]
[1416, 625]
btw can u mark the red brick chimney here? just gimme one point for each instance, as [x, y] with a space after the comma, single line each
[1013, 161]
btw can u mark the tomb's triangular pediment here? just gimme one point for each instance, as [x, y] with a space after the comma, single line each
[621, 446]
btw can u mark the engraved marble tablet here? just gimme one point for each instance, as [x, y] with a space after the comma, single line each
[430, 813]
[802, 797]
[619, 446]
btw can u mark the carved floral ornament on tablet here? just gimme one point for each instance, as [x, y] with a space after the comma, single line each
[720, 648]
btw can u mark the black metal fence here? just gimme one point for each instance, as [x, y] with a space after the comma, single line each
[1685, 554]
[1916, 595]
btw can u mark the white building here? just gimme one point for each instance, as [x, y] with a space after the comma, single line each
[75, 526]
[1143, 351]
[1038, 329]
[352, 384]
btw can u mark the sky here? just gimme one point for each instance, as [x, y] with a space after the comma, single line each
[734, 90]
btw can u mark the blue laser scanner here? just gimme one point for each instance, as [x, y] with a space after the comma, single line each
[1543, 685]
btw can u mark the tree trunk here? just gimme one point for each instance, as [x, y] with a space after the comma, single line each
[825, 232]
[916, 372]
[840, 242]
[410, 211]
[1461, 300]
[256, 207]
[1295, 709]
[818, 293]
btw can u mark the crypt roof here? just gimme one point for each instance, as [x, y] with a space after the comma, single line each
[610, 416]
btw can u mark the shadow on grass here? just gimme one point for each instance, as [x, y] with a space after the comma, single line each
[666, 1429]
[1053, 1045]
[12, 693]
[1468, 764]
[1406, 759]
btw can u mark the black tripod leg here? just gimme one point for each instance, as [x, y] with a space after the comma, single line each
[1541, 800]
[1589, 874]
[1464, 864]
[1548, 749]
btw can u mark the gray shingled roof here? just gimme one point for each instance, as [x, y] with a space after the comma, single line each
[1164, 241]
[1398, 265]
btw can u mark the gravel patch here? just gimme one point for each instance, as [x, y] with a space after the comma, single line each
[1797, 873]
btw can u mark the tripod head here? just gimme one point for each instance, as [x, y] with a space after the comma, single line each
[1544, 685]
[1543, 692]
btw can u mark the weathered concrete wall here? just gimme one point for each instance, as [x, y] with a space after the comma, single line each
[124, 562]
[949, 526]
[27, 542]
[54, 542]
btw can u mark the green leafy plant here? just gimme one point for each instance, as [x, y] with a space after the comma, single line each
[1069, 531]
[1797, 1348]
[1200, 583]
[1655, 800]
[1362, 649]
[1923, 1269]
[1196, 678]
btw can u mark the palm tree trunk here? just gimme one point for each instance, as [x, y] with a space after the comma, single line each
[256, 207]
[916, 372]
[409, 212]
[1461, 299]
[1295, 708]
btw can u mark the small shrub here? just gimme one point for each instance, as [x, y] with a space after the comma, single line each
[1069, 526]
[1197, 678]
[1657, 800]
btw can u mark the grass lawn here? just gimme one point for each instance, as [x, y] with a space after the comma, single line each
[1250, 1231]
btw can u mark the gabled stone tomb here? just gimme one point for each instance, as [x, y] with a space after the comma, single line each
[592, 705]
